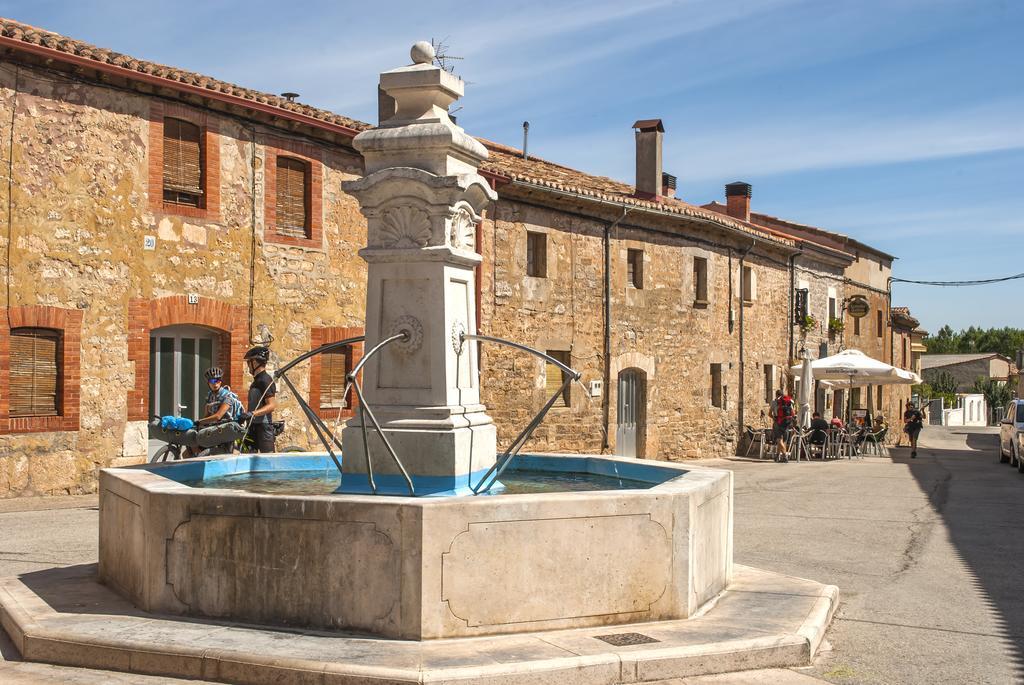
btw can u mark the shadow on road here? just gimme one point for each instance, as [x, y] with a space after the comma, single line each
[981, 503]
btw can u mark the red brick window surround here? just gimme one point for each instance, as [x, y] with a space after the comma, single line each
[328, 370]
[171, 131]
[287, 163]
[231, 321]
[53, 338]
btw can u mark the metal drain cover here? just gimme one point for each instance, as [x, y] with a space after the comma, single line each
[626, 639]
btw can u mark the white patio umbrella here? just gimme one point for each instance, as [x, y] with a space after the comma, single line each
[806, 390]
[851, 368]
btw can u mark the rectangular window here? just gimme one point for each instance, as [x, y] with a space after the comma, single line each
[35, 356]
[855, 398]
[333, 368]
[856, 326]
[293, 195]
[831, 308]
[716, 385]
[878, 398]
[554, 377]
[635, 268]
[879, 327]
[905, 353]
[536, 254]
[700, 280]
[183, 163]
[769, 383]
[747, 284]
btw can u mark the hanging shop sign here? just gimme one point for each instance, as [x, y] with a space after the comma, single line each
[858, 307]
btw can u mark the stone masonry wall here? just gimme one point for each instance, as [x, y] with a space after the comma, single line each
[80, 213]
[657, 329]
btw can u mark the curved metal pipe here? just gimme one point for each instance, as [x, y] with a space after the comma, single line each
[502, 462]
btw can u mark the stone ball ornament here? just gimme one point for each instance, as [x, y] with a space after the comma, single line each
[422, 52]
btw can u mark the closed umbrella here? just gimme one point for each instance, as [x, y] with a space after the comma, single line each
[806, 390]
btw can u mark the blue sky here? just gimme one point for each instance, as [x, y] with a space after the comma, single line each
[900, 123]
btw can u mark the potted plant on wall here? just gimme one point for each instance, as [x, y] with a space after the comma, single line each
[835, 326]
[807, 324]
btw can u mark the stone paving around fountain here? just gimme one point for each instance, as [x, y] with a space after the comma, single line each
[64, 616]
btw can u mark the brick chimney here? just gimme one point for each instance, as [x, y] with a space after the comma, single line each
[737, 200]
[649, 133]
[668, 185]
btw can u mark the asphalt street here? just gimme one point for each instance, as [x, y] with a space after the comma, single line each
[926, 553]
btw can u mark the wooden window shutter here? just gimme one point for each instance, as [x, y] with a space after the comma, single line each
[183, 168]
[333, 367]
[554, 377]
[292, 184]
[35, 372]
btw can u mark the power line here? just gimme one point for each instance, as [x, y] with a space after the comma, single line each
[954, 284]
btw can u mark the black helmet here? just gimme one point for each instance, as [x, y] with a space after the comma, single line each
[260, 354]
[214, 372]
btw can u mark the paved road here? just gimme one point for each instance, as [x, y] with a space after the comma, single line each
[926, 552]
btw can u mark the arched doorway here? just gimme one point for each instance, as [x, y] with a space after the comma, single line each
[178, 356]
[630, 432]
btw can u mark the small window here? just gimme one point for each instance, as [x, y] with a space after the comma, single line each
[635, 268]
[856, 326]
[748, 284]
[700, 280]
[292, 195]
[879, 318]
[334, 366]
[536, 254]
[831, 308]
[855, 398]
[35, 359]
[183, 163]
[769, 383]
[554, 377]
[716, 386]
[878, 398]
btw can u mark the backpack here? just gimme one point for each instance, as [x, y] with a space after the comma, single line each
[785, 409]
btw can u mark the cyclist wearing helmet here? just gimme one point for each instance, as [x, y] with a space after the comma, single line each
[221, 403]
[262, 399]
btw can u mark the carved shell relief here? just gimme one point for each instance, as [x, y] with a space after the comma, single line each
[462, 233]
[403, 227]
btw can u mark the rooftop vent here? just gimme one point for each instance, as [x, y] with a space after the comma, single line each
[649, 133]
[668, 184]
[290, 97]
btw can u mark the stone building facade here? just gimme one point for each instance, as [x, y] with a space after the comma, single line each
[679, 317]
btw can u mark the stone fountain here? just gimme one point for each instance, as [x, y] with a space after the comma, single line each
[372, 562]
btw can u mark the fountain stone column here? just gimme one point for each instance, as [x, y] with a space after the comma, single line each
[422, 197]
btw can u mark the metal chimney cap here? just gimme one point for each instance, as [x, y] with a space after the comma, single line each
[649, 125]
[738, 188]
[290, 97]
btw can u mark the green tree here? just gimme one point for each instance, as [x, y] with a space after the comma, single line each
[997, 393]
[944, 383]
[1005, 341]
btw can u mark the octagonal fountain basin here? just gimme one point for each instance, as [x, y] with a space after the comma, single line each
[588, 540]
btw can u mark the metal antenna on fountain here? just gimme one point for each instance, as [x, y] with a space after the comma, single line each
[441, 56]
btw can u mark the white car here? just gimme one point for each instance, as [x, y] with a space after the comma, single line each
[1011, 435]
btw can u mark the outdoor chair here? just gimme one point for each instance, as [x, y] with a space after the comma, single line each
[876, 441]
[760, 436]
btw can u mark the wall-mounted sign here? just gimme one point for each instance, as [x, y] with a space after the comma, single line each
[858, 306]
[193, 298]
[800, 306]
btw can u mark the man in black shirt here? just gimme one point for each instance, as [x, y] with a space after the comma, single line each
[913, 421]
[262, 399]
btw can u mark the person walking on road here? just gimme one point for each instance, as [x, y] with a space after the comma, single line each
[913, 422]
[783, 413]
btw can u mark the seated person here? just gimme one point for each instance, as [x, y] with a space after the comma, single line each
[836, 423]
[221, 404]
[819, 428]
[880, 424]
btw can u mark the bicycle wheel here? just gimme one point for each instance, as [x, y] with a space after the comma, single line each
[168, 452]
